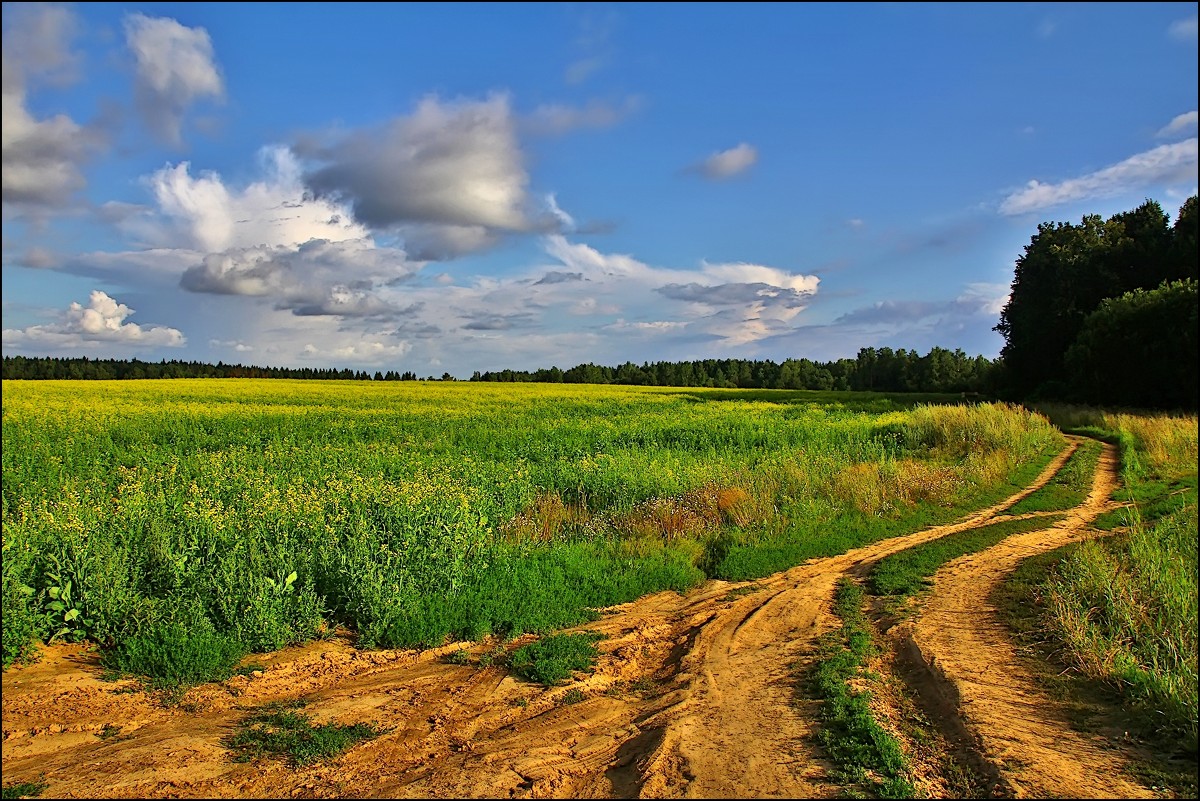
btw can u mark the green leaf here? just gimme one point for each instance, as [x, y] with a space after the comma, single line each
[70, 615]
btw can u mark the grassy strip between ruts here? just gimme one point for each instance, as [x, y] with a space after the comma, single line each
[908, 572]
[1069, 487]
[867, 757]
[279, 730]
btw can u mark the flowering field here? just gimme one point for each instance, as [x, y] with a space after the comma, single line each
[265, 513]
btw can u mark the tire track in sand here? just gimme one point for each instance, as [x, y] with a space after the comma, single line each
[1020, 731]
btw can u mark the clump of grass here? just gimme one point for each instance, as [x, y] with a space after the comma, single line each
[280, 731]
[573, 696]
[553, 659]
[909, 571]
[174, 657]
[865, 754]
[24, 790]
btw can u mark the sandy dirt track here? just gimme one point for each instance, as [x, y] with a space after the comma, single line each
[694, 696]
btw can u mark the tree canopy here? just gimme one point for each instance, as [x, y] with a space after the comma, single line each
[1068, 272]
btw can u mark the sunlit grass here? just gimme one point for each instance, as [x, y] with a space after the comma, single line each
[1125, 606]
[273, 511]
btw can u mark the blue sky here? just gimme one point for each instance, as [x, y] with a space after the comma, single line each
[450, 188]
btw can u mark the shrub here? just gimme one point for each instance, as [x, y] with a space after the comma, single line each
[552, 659]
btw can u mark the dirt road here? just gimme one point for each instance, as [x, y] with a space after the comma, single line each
[694, 696]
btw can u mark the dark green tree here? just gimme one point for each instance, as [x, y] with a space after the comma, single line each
[1139, 350]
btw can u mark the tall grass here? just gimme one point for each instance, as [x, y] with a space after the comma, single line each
[273, 511]
[1126, 606]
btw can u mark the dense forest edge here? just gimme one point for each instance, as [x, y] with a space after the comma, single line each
[1102, 312]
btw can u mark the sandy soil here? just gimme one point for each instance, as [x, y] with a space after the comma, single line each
[694, 696]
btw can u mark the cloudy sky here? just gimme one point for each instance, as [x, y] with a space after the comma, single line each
[450, 188]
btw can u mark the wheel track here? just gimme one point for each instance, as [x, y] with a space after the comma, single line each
[970, 663]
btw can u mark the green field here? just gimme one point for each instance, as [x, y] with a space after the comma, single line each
[190, 519]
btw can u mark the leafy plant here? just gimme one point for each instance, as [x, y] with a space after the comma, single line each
[552, 659]
[63, 614]
[856, 743]
[174, 657]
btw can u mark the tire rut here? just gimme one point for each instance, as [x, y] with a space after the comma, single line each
[971, 666]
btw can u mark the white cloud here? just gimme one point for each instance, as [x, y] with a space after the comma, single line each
[175, 67]
[456, 164]
[567, 221]
[1182, 124]
[42, 158]
[208, 216]
[580, 70]
[1183, 30]
[364, 351]
[1172, 163]
[101, 322]
[728, 163]
[39, 40]
[240, 347]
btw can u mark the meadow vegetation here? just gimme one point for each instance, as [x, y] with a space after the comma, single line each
[1123, 609]
[181, 523]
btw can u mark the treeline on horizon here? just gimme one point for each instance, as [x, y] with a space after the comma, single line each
[875, 369]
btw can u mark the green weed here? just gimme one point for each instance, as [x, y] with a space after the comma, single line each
[910, 571]
[24, 790]
[555, 658]
[1069, 487]
[280, 731]
[174, 657]
[867, 756]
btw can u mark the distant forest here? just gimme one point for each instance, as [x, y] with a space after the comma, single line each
[881, 370]
[1102, 312]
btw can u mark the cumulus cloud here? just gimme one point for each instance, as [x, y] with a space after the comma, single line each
[1171, 163]
[42, 158]
[205, 214]
[1183, 124]
[101, 322]
[735, 302]
[316, 278]
[448, 164]
[39, 40]
[1183, 30]
[39, 259]
[446, 242]
[174, 68]
[728, 163]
